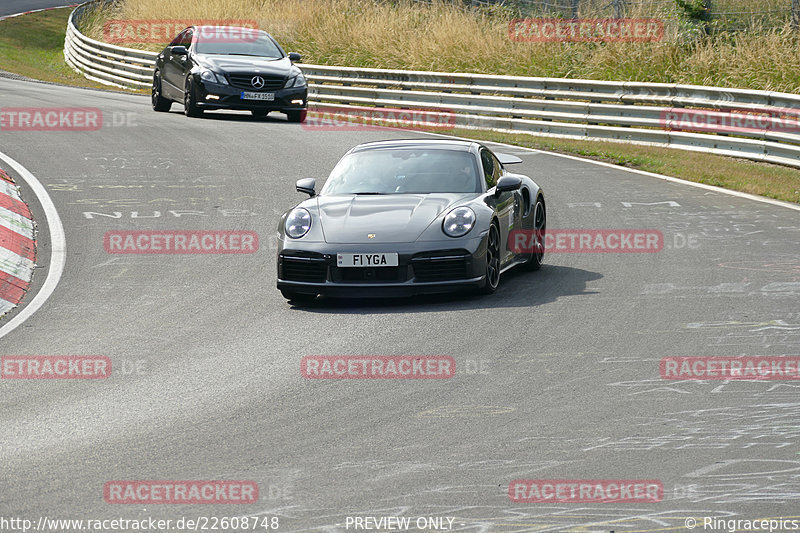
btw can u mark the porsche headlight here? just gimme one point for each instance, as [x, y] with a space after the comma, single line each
[459, 222]
[296, 81]
[213, 77]
[298, 223]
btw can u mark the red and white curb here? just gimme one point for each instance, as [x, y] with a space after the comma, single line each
[17, 245]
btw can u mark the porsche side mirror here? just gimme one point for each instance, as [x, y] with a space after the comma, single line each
[507, 183]
[307, 185]
[179, 51]
[294, 56]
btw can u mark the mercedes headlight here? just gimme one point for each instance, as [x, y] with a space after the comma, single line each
[459, 222]
[213, 77]
[298, 223]
[296, 81]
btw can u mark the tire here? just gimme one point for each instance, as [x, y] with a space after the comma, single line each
[296, 116]
[261, 113]
[297, 297]
[492, 260]
[190, 108]
[160, 104]
[539, 228]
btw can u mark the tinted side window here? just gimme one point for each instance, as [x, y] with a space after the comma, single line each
[177, 40]
[187, 39]
[498, 168]
[489, 169]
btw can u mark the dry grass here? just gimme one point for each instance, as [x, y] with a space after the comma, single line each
[441, 36]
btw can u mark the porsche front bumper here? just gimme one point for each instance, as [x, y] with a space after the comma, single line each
[423, 268]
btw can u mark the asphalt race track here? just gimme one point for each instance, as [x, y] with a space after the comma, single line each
[557, 374]
[12, 7]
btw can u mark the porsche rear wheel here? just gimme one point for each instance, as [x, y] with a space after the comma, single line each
[539, 227]
[492, 260]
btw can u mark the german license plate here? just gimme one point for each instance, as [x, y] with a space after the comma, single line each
[258, 96]
[367, 260]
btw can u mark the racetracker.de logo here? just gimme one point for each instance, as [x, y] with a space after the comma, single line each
[346, 118]
[50, 119]
[180, 242]
[742, 121]
[55, 367]
[550, 30]
[180, 492]
[378, 367]
[163, 31]
[624, 241]
[585, 491]
[731, 368]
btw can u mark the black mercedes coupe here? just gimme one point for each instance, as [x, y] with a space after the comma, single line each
[407, 217]
[225, 67]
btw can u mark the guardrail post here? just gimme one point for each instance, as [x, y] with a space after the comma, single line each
[619, 8]
[795, 14]
[575, 5]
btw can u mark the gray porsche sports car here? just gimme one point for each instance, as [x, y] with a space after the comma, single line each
[407, 217]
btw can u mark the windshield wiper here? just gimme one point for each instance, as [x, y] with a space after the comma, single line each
[368, 193]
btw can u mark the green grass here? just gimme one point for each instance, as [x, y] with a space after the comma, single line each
[33, 46]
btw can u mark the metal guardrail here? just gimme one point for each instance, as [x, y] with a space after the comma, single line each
[631, 112]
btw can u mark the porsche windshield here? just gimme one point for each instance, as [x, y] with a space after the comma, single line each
[404, 171]
[235, 41]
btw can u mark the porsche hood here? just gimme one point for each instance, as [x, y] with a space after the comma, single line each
[382, 218]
